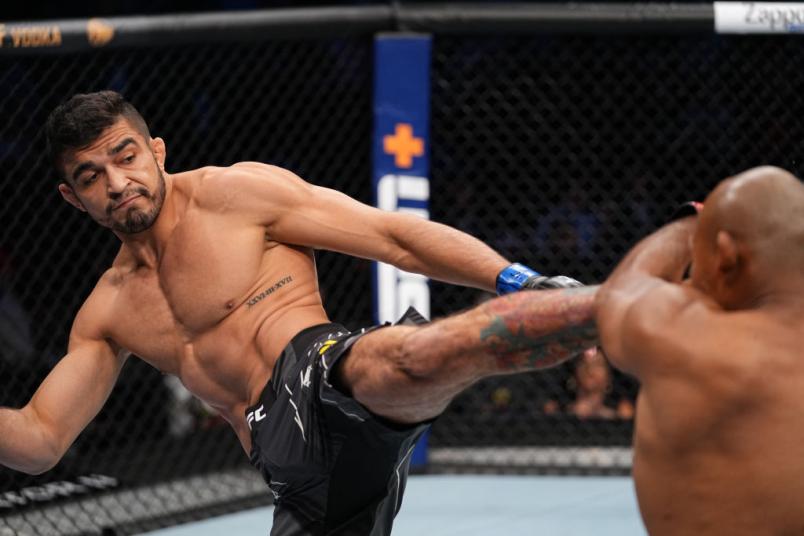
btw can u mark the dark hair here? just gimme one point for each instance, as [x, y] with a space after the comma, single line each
[79, 121]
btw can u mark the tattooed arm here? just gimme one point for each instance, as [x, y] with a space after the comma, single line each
[539, 329]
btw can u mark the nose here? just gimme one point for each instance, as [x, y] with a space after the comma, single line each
[117, 182]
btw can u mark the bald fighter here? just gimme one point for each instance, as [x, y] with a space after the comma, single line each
[215, 282]
[718, 436]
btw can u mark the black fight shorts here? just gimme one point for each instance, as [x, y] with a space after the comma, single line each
[333, 467]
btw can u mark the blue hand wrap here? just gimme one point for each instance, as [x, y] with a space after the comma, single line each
[512, 278]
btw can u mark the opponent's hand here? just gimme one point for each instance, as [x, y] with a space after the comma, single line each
[519, 277]
[690, 208]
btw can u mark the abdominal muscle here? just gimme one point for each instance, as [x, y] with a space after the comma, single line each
[231, 374]
[228, 364]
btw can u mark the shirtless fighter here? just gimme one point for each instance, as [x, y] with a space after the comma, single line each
[718, 434]
[215, 282]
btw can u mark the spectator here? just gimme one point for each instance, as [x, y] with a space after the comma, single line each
[591, 383]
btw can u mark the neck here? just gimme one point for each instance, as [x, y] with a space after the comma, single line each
[147, 246]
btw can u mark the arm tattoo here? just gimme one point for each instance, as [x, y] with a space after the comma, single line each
[538, 329]
[267, 292]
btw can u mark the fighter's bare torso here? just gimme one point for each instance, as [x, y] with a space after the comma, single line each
[219, 303]
[707, 462]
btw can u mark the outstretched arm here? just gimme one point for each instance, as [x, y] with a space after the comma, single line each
[297, 212]
[35, 437]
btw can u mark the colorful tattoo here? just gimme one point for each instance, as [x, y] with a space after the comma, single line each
[539, 329]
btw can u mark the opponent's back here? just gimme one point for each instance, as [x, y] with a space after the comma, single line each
[717, 440]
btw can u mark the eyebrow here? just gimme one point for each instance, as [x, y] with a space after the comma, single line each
[83, 166]
[120, 146]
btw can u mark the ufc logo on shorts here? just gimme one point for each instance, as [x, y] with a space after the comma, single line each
[255, 416]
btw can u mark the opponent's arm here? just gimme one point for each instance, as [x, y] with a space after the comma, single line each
[296, 212]
[35, 437]
[643, 294]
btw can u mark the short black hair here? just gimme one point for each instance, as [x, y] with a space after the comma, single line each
[75, 124]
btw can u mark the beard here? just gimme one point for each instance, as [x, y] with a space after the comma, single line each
[138, 220]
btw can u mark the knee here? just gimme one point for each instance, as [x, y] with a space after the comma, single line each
[420, 359]
[400, 357]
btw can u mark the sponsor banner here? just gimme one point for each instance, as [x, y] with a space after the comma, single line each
[55, 491]
[59, 36]
[401, 158]
[759, 17]
[401, 168]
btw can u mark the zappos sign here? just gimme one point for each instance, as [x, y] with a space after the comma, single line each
[759, 17]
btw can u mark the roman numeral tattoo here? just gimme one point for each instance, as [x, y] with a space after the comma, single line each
[538, 329]
[267, 292]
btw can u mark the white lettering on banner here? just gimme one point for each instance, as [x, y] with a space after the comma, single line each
[759, 17]
[9, 499]
[53, 490]
[396, 289]
[98, 481]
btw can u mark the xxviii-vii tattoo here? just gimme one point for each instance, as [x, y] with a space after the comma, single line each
[539, 329]
[270, 290]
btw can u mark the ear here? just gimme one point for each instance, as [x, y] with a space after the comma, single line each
[68, 194]
[160, 151]
[727, 254]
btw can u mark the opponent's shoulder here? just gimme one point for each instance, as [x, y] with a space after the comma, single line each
[669, 325]
[681, 331]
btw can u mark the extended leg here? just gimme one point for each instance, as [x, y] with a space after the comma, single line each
[409, 374]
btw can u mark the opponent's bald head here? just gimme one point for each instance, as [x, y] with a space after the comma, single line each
[754, 224]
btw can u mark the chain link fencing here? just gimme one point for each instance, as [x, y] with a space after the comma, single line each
[559, 151]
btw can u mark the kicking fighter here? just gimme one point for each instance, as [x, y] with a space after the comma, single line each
[215, 282]
[718, 428]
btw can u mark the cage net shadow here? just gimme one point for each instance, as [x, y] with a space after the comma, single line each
[559, 151]
[562, 151]
[301, 105]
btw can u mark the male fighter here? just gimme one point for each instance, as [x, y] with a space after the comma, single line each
[717, 446]
[215, 282]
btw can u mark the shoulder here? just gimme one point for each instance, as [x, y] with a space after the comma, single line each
[94, 318]
[240, 187]
[677, 330]
[668, 324]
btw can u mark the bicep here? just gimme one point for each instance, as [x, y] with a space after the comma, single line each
[296, 212]
[615, 306]
[331, 220]
[644, 329]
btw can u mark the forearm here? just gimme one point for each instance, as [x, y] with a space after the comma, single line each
[665, 254]
[24, 443]
[34, 438]
[445, 254]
